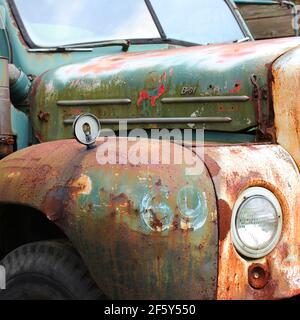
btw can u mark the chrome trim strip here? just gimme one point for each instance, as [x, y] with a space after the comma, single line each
[161, 120]
[206, 99]
[96, 102]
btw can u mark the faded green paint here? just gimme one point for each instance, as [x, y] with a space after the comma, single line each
[220, 70]
[21, 127]
[20, 87]
[100, 207]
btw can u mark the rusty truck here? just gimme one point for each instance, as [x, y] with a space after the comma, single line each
[72, 228]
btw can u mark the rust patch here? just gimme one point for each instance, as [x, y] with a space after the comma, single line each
[258, 276]
[120, 204]
[156, 221]
[286, 95]
[35, 85]
[56, 202]
[158, 183]
[225, 213]
[39, 137]
[214, 168]
[41, 174]
[83, 185]
[271, 167]
[283, 250]
[44, 116]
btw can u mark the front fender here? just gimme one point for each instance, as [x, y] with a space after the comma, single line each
[234, 169]
[99, 207]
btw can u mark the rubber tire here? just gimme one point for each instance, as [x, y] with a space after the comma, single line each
[50, 270]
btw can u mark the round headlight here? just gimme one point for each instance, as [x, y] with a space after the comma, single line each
[256, 222]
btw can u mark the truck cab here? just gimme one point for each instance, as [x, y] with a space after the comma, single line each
[90, 95]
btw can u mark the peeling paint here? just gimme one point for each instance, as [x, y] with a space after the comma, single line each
[234, 169]
[145, 78]
[100, 208]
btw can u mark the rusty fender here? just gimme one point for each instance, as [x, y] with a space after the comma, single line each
[286, 99]
[99, 209]
[234, 169]
[130, 255]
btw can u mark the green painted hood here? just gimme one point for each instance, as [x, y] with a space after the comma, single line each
[206, 81]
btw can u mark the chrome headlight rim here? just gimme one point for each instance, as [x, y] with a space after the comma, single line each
[243, 249]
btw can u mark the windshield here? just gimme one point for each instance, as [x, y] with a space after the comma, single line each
[204, 21]
[51, 23]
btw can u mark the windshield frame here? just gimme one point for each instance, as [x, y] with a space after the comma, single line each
[163, 39]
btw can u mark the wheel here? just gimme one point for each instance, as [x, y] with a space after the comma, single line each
[50, 270]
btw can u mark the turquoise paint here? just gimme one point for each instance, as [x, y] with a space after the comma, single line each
[19, 91]
[20, 126]
[223, 137]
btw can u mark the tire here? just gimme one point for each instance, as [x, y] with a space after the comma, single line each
[50, 270]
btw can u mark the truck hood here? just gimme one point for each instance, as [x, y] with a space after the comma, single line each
[201, 87]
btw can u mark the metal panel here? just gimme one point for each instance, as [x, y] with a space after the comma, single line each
[99, 208]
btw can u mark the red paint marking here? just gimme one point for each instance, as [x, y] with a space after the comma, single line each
[76, 111]
[143, 96]
[237, 87]
[161, 91]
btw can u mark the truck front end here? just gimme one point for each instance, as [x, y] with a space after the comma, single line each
[190, 189]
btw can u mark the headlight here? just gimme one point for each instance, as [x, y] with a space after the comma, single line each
[256, 222]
